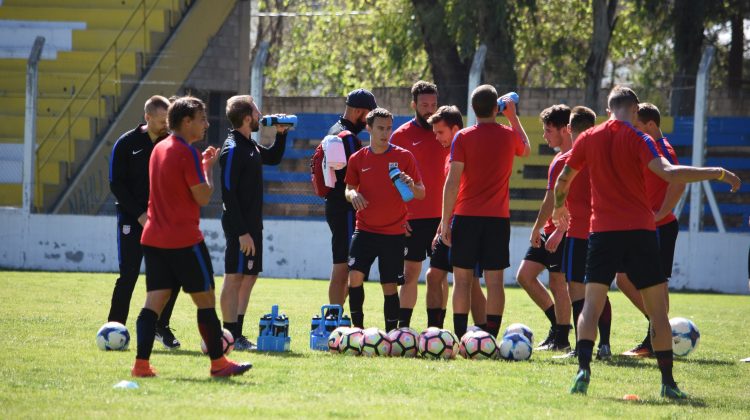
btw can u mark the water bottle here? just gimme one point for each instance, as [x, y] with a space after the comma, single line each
[331, 323]
[402, 188]
[501, 104]
[277, 119]
[265, 322]
[280, 326]
[345, 321]
[315, 322]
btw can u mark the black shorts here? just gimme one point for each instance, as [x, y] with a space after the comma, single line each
[236, 262]
[574, 259]
[341, 221]
[441, 257]
[667, 237]
[480, 240]
[419, 243]
[552, 261]
[388, 249]
[634, 252]
[189, 268]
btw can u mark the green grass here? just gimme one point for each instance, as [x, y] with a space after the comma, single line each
[51, 367]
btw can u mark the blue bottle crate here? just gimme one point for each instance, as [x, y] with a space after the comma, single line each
[274, 332]
[321, 326]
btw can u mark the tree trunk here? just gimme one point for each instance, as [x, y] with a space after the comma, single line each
[495, 32]
[734, 78]
[450, 72]
[605, 18]
[688, 17]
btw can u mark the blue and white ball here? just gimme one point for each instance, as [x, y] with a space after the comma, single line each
[113, 336]
[522, 329]
[685, 336]
[515, 347]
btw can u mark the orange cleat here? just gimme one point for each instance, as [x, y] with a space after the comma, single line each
[142, 369]
[224, 367]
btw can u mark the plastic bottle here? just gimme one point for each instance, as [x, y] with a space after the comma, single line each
[501, 104]
[277, 119]
[402, 188]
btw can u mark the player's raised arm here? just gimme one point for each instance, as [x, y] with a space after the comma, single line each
[203, 191]
[510, 114]
[687, 174]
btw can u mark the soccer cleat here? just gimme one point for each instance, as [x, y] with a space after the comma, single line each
[603, 353]
[243, 344]
[672, 392]
[231, 369]
[745, 360]
[569, 355]
[142, 369]
[553, 346]
[641, 350]
[166, 338]
[581, 383]
[548, 342]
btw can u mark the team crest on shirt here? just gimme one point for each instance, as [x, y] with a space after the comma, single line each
[392, 165]
[352, 260]
[250, 264]
[406, 251]
[125, 229]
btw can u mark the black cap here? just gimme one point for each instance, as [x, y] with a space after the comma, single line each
[361, 98]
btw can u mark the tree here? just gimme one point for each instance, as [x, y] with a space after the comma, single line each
[688, 17]
[604, 18]
[496, 32]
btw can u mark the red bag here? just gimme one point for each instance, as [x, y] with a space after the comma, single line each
[316, 168]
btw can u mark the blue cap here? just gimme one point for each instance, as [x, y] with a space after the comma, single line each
[361, 98]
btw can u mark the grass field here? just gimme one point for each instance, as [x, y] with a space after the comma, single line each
[51, 368]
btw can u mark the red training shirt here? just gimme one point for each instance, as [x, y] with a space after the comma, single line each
[657, 187]
[578, 203]
[487, 151]
[386, 211]
[430, 156]
[616, 154]
[555, 167]
[173, 214]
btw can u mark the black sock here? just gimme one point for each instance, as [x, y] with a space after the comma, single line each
[665, 359]
[145, 327]
[356, 300]
[166, 313]
[404, 317]
[434, 317]
[605, 323]
[443, 311]
[210, 329]
[561, 335]
[240, 323]
[459, 324]
[550, 312]
[232, 327]
[493, 324]
[585, 349]
[577, 309]
[483, 327]
[391, 311]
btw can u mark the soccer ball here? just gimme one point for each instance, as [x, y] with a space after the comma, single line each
[473, 328]
[374, 343]
[113, 336]
[404, 342]
[478, 345]
[522, 329]
[435, 343]
[685, 336]
[515, 347]
[351, 342]
[227, 343]
[334, 340]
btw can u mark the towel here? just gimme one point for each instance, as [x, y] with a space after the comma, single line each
[334, 158]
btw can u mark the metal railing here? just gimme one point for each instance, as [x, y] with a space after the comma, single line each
[108, 69]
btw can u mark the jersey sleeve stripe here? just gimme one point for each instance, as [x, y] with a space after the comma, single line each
[665, 149]
[112, 160]
[646, 138]
[228, 171]
[197, 164]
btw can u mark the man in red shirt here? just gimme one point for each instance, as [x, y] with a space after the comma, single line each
[555, 123]
[381, 215]
[476, 197]
[423, 218]
[176, 256]
[663, 197]
[623, 236]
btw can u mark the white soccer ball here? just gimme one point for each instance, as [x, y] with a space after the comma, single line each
[436, 343]
[351, 342]
[374, 342]
[522, 329]
[685, 336]
[113, 336]
[404, 342]
[227, 343]
[334, 339]
[478, 345]
[515, 347]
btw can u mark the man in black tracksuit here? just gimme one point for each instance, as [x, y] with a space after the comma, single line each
[128, 181]
[241, 162]
[340, 214]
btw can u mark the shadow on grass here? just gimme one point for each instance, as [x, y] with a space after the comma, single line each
[282, 354]
[661, 402]
[227, 380]
[179, 352]
[709, 362]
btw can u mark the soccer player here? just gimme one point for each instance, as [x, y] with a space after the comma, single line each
[623, 232]
[557, 135]
[381, 215]
[340, 214]
[446, 122]
[476, 197]
[173, 246]
[128, 181]
[423, 219]
[663, 198]
[241, 160]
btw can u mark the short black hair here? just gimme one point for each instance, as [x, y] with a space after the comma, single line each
[484, 100]
[581, 119]
[621, 96]
[450, 114]
[649, 112]
[556, 115]
[186, 106]
[378, 113]
[423, 88]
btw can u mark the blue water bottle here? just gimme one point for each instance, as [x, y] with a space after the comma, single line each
[277, 119]
[501, 104]
[402, 188]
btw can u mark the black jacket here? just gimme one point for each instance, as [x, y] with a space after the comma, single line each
[128, 172]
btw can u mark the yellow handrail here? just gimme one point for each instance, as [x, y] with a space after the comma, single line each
[69, 117]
